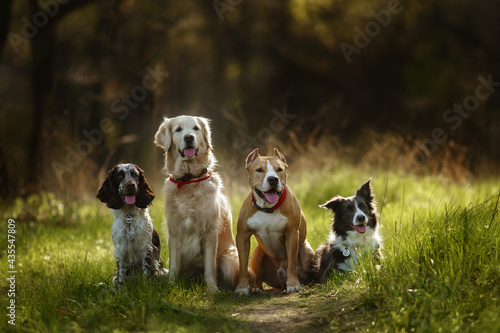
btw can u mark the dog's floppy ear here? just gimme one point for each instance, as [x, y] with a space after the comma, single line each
[280, 155]
[365, 191]
[207, 135]
[252, 156]
[108, 193]
[163, 137]
[145, 194]
[333, 204]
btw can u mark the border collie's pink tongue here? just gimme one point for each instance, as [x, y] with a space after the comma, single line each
[359, 228]
[189, 152]
[130, 199]
[271, 197]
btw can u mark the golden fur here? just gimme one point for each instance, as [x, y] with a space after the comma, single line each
[283, 256]
[200, 239]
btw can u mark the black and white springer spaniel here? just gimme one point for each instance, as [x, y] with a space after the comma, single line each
[137, 244]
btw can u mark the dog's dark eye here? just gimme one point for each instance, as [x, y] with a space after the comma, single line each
[259, 170]
[135, 174]
[196, 128]
[279, 169]
[178, 129]
[120, 174]
[361, 206]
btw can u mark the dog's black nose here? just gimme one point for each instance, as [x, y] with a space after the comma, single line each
[273, 181]
[130, 186]
[189, 138]
[361, 218]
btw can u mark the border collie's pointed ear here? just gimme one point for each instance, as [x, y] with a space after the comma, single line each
[108, 193]
[280, 155]
[163, 138]
[365, 191]
[207, 135]
[145, 194]
[252, 156]
[333, 204]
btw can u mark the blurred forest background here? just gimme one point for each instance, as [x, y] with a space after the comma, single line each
[84, 84]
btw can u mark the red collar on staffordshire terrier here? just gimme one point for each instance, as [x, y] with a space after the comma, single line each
[272, 209]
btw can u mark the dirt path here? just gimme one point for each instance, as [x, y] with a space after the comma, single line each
[302, 312]
[282, 313]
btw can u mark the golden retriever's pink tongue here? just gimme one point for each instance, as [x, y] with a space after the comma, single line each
[189, 152]
[359, 228]
[271, 197]
[130, 199]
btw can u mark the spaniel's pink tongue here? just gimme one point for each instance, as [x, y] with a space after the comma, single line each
[189, 152]
[130, 199]
[271, 197]
[359, 228]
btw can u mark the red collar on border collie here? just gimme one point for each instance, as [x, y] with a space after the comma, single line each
[189, 178]
[273, 208]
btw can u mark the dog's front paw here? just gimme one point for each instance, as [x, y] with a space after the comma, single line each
[212, 287]
[292, 289]
[257, 290]
[163, 273]
[244, 291]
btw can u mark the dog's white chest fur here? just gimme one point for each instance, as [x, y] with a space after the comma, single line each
[354, 243]
[269, 228]
[131, 237]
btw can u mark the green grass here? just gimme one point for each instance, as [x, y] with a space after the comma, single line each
[440, 271]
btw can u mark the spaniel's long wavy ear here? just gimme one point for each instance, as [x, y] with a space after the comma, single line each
[145, 194]
[108, 193]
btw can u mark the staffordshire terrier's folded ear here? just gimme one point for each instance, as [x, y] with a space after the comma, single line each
[280, 155]
[252, 157]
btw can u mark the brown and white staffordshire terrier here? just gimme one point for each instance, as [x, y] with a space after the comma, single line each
[272, 213]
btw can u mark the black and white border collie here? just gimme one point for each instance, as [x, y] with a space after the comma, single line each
[354, 228]
[137, 244]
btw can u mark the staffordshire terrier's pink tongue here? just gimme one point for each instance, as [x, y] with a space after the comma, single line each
[271, 197]
[130, 199]
[189, 152]
[360, 228]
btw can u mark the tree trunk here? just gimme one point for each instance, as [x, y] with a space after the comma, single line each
[5, 6]
[42, 50]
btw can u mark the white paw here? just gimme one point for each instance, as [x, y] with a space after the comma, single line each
[162, 273]
[257, 290]
[244, 291]
[212, 287]
[292, 289]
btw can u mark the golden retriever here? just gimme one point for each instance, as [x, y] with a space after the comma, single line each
[200, 239]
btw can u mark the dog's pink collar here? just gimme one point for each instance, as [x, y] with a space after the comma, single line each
[181, 183]
[273, 208]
